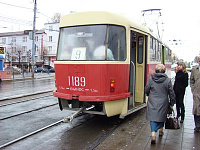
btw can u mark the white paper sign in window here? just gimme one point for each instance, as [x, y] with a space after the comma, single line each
[79, 53]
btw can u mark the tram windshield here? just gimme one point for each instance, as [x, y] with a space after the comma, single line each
[94, 42]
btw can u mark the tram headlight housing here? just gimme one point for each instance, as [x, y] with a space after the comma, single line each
[112, 85]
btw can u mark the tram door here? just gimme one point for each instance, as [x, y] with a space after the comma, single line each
[137, 69]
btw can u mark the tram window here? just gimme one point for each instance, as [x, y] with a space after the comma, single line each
[152, 49]
[89, 43]
[169, 55]
[140, 49]
[166, 54]
[151, 43]
[117, 42]
[158, 52]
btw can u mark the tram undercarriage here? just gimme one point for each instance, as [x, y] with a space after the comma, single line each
[109, 108]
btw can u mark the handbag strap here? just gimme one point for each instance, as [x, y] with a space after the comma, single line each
[173, 113]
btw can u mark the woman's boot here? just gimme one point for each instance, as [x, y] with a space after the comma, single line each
[153, 137]
[161, 133]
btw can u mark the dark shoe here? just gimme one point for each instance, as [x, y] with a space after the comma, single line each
[161, 133]
[196, 129]
[181, 121]
[153, 140]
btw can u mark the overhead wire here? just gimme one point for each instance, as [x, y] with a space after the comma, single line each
[16, 6]
[14, 20]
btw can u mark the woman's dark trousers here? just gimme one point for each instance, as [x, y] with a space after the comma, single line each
[180, 108]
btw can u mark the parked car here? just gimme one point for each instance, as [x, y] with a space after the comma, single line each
[40, 69]
[14, 69]
[52, 70]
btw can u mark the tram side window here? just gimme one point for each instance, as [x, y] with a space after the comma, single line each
[140, 49]
[166, 54]
[169, 55]
[158, 52]
[152, 49]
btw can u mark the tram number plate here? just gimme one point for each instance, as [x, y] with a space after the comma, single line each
[79, 53]
[76, 81]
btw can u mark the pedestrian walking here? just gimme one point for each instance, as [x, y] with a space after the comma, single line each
[160, 97]
[195, 87]
[180, 84]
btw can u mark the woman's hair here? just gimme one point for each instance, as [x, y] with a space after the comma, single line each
[184, 66]
[160, 68]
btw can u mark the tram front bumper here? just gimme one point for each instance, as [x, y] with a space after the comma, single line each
[92, 98]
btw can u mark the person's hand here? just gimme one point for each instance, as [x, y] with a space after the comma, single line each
[170, 110]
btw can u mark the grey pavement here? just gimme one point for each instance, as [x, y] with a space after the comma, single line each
[22, 86]
[182, 139]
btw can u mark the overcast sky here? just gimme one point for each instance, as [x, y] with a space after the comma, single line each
[180, 18]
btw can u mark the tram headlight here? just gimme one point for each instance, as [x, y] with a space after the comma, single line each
[112, 85]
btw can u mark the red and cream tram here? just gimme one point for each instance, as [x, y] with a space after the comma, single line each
[103, 63]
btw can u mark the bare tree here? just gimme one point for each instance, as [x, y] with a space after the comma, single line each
[56, 18]
[45, 55]
[19, 53]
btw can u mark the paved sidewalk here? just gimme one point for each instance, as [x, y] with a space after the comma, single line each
[26, 76]
[181, 139]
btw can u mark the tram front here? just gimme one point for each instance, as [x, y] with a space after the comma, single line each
[92, 70]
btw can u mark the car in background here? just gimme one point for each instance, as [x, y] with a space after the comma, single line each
[40, 69]
[13, 69]
[192, 65]
[52, 70]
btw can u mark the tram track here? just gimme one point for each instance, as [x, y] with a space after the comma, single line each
[21, 107]
[28, 111]
[26, 98]
[30, 134]
[23, 98]
[117, 126]
[97, 128]
[38, 131]
[100, 139]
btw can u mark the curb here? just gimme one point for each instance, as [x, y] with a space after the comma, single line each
[27, 78]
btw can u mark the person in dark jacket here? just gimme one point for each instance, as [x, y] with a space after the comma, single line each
[158, 89]
[180, 84]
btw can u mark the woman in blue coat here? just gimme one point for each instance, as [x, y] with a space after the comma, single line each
[159, 89]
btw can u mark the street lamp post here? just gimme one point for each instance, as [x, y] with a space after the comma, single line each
[33, 37]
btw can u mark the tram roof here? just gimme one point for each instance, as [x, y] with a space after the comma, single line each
[99, 17]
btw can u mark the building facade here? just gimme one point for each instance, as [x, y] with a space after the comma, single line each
[50, 44]
[18, 46]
